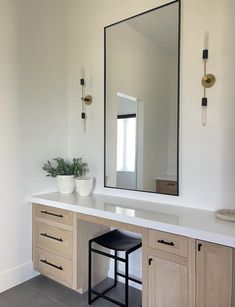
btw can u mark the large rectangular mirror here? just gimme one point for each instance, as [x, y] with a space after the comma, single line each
[142, 101]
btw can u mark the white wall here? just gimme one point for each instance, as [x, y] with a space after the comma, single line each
[33, 120]
[207, 163]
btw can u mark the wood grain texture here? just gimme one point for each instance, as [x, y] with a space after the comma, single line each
[145, 268]
[54, 239]
[191, 272]
[167, 283]
[87, 231]
[63, 276]
[185, 289]
[110, 223]
[75, 252]
[33, 234]
[213, 275]
[168, 256]
[180, 243]
[53, 223]
[57, 215]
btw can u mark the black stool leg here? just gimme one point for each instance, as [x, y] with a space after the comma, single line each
[115, 269]
[127, 280]
[89, 273]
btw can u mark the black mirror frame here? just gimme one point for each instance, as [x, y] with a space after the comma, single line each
[178, 93]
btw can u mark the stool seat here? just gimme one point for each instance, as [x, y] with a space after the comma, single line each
[116, 240]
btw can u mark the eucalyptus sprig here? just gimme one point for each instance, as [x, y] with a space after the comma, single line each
[80, 168]
[59, 167]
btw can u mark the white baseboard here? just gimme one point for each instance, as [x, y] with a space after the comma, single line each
[16, 275]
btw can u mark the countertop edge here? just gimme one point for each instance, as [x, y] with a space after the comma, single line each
[150, 224]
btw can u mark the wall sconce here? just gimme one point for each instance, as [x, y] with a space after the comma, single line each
[208, 80]
[86, 100]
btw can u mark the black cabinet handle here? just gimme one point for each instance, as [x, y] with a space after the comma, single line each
[51, 237]
[51, 264]
[199, 247]
[150, 261]
[171, 184]
[53, 214]
[165, 242]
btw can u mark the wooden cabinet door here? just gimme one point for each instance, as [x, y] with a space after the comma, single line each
[167, 283]
[213, 275]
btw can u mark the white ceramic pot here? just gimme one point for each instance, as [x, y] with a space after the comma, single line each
[84, 185]
[66, 184]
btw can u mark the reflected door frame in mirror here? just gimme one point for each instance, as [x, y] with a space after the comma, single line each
[136, 157]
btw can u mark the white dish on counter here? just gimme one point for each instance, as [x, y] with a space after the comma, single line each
[226, 215]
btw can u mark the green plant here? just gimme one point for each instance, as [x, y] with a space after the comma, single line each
[61, 168]
[80, 168]
[77, 168]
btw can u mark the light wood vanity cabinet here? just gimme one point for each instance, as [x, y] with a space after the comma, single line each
[53, 243]
[167, 283]
[214, 280]
[60, 246]
[177, 271]
[171, 270]
[183, 272]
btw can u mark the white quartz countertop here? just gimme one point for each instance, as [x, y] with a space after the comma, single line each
[193, 223]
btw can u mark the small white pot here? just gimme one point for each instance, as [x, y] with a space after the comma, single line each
[84, 185]
[66, 184]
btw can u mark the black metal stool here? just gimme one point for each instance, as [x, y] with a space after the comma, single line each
[117, 241]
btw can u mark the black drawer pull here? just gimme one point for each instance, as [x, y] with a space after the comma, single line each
[165, 242]
[51, 264]
[53, 214]
[51, 237]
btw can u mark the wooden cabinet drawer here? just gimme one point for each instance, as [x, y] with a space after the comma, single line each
[166, 186]
[167, 242]
[53, 266]
[54, 214]
[54, 239]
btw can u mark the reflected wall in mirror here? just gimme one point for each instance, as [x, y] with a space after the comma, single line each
[142, 101]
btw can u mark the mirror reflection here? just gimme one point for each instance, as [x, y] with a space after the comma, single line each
[141, 101]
